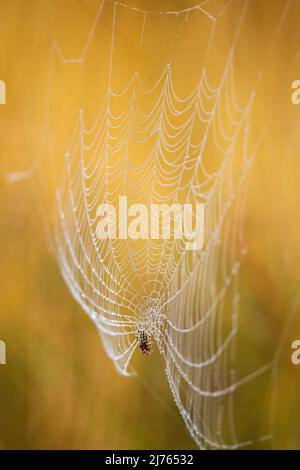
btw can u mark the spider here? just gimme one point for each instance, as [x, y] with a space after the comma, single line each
[145, 342]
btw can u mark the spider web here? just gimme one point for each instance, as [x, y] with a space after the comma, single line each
[156, 144]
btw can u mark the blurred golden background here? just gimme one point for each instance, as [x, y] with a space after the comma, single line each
[59, 390]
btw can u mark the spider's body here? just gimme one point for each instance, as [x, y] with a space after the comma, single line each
[145, 342]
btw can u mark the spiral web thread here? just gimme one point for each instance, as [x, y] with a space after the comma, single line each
[187, 301]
